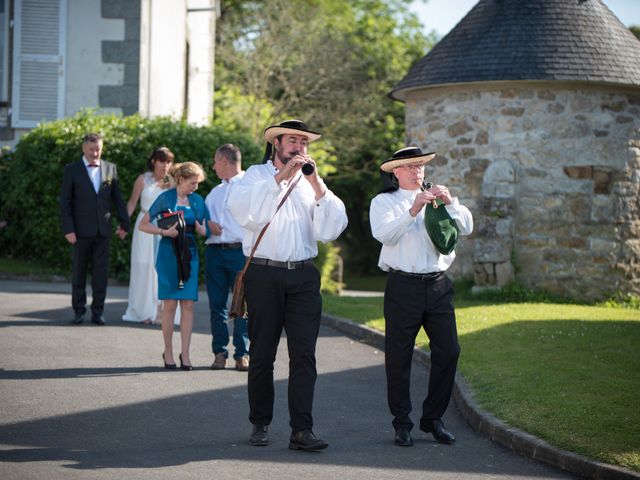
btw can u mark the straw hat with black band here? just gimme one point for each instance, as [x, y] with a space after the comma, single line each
[290, 127]
[407, 156]
[404, 156]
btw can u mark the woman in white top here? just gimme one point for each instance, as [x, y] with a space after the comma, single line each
[143, 280]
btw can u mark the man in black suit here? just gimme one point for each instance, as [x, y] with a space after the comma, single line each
[89, 190]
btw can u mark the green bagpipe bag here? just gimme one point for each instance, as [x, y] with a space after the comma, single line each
[442, 229]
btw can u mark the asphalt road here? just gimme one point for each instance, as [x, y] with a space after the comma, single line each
[89, 402]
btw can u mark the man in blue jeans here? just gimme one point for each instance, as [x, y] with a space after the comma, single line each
[224, 258]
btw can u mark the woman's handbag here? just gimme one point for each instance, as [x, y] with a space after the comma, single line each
[168, 219]
[180, 244]
[238, 303]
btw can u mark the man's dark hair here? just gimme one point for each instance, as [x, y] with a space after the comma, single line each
[92, 138]
[272, 153]
[230, 152]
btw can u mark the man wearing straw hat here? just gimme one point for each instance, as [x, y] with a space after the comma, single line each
[282, 286]
[418, 294]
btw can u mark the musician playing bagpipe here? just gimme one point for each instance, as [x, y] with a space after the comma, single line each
[418, 226]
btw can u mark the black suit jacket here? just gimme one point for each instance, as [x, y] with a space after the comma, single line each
[86, 212]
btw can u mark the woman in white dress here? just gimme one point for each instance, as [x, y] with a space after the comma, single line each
[144, 305]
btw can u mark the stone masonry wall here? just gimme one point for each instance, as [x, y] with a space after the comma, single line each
[551, 173]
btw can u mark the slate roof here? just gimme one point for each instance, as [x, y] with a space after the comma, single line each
[562, 40]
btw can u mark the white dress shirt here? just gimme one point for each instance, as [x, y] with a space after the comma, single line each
[217, 203]
[94, 173]
[298, 225]
[406, 245]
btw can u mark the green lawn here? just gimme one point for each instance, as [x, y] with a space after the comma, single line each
[569, 374]
[30, 269]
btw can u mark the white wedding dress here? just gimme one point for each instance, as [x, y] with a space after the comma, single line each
[143, 279]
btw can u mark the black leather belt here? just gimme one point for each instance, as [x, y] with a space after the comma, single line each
[277, 264]
[425, 277]
[226, 246]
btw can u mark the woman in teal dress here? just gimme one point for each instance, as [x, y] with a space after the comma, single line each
[183, 199]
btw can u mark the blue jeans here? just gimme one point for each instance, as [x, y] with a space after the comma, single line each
[221, 268]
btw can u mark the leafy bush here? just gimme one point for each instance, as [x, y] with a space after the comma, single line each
[623, 300]
[31, 176]
[327, 261]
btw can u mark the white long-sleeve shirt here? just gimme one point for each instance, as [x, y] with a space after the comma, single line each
[405, 242]
[298, 225]
[217, 202]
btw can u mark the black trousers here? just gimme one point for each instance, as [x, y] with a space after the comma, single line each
[278, 298]
[411, 304]
[87, 251]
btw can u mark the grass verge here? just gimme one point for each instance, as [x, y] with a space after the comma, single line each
[32, 270]
[566, 373]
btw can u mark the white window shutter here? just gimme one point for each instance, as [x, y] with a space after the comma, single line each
[38, 61]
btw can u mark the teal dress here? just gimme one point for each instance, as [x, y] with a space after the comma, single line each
[166, 262]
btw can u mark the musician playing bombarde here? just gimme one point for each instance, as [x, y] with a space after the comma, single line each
[418, 293]
[282, 285]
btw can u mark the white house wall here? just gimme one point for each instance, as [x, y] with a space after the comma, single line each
[163, 57]
[86, 30]
[201, 19]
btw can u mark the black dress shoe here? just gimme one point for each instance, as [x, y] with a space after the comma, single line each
[184, 366]
[259, 436]
[98, 320]
[403, 437]
[306, 440]
[78, 319]
[168, 366]
[436, 428]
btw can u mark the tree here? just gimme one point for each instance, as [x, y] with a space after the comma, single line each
[635, 29]
[331, 63]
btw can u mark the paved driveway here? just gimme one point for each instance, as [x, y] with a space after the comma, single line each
[88, 402]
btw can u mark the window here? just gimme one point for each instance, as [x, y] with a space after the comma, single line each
[38, 61]
[4, 57]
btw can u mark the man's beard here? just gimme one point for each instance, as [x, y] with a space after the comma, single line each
[285, 160]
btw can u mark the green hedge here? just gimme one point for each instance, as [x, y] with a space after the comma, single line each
[31, 175]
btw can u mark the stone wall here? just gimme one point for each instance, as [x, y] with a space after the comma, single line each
[550, 171]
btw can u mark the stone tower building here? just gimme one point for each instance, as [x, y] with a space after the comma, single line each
[534, 111]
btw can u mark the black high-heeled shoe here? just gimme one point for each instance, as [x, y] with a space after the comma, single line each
[168, 366]
[184, 366]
